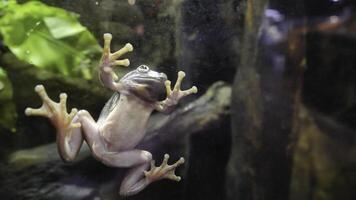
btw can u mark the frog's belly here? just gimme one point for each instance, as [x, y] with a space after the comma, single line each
[120, 137]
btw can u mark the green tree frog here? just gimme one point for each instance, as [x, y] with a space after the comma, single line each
[122, 123]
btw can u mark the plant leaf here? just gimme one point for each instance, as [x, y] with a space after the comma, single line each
[7, 107]
[58, 27]
[48, 37]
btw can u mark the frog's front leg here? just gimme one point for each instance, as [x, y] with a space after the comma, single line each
[173, 96]
[109, 60]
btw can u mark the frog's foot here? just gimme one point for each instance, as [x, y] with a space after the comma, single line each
[163, 171]
[173, 96]
[112, 59]
[56, 112]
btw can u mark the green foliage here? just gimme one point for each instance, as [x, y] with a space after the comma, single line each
[48, 37]
[7, 107]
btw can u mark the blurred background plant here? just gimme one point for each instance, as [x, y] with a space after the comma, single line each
[7, 106]
[45, 37]
[48, 37]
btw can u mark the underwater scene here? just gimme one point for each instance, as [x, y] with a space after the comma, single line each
[177, 100]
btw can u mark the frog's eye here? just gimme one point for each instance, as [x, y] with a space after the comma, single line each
[143, 68]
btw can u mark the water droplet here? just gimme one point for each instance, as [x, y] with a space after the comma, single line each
[28, 51]
[38, 23]
[96, 3]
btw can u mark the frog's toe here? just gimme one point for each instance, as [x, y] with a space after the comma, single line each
[35, 112]
[180, 78]
[165, 171]
[124, 62]
[127, 48]
[107, 36]
[39, 88]
[192, 90]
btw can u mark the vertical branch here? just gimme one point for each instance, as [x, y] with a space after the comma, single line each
[265, 103]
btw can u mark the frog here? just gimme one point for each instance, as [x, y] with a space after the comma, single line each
[122, 124]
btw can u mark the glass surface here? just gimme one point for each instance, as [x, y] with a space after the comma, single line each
[274, 116]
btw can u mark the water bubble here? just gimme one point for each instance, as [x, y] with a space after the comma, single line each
[96, 3]
[29, 32]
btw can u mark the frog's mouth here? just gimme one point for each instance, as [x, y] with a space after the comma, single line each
[150, 79]
[142, 78]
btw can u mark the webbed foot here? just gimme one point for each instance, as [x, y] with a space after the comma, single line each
[109, 59]
[173, 96]
[56, 112]
[163, 171]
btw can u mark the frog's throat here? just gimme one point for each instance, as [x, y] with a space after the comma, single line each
[143, 93]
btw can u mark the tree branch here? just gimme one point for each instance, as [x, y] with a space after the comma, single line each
[199, 115]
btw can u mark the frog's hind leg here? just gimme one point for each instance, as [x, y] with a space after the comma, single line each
[89, 128]
[138, 160]
[134, 182]
[137, 178]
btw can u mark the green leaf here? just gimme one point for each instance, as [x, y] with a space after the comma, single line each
[59, 27]
[7, 107]
[48, 37]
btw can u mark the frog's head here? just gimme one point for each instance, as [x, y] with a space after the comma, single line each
[145, 83]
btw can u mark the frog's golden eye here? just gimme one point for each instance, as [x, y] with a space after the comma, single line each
[143, 68]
